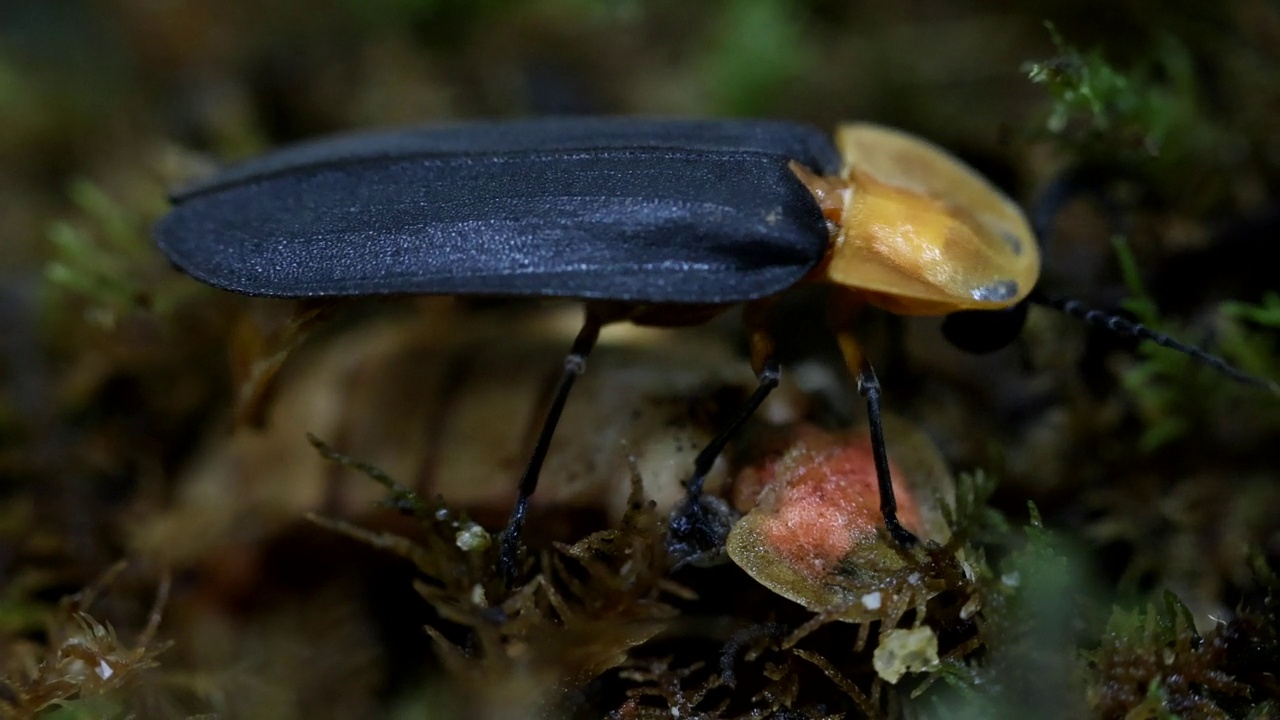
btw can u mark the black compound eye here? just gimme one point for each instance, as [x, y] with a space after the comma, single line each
[984, 331]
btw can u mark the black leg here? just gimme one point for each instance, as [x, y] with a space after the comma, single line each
[574, 364]
[699, 526]
[768, 380]
[869, 388]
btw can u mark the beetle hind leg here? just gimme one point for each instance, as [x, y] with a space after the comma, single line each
[575, 363]
[700, 525]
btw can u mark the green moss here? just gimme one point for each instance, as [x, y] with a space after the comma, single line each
[1247, 334]
[1152, 663]
[398, 496]
[1035, 599]
[12, 87]
[1131, 116]
[103, 257]
[1171, 389]
[971, 517]
[94, 708]
[81, 668]
[757, 49]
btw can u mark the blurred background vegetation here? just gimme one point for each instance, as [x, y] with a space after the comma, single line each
[117, 374]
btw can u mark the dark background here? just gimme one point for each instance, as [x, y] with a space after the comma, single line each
[117, 376]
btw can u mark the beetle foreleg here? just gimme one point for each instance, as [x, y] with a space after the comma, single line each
[574, 365]
[869, 389]
[844, 307]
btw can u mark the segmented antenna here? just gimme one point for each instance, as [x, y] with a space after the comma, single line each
[1121, 326]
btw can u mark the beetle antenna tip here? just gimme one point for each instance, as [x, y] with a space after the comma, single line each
[1128, 328]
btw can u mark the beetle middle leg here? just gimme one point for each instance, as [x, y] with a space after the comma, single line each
[697, 530]
[700, 525]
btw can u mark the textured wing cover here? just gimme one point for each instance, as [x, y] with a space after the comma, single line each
[633, 210]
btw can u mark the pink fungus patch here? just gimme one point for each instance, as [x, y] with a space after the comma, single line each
[819, 500]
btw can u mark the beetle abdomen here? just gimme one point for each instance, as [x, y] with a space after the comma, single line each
[688, 212]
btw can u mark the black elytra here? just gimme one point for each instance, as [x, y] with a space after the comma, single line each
[632, 210]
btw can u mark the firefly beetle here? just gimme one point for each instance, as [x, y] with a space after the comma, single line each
[654, 221]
